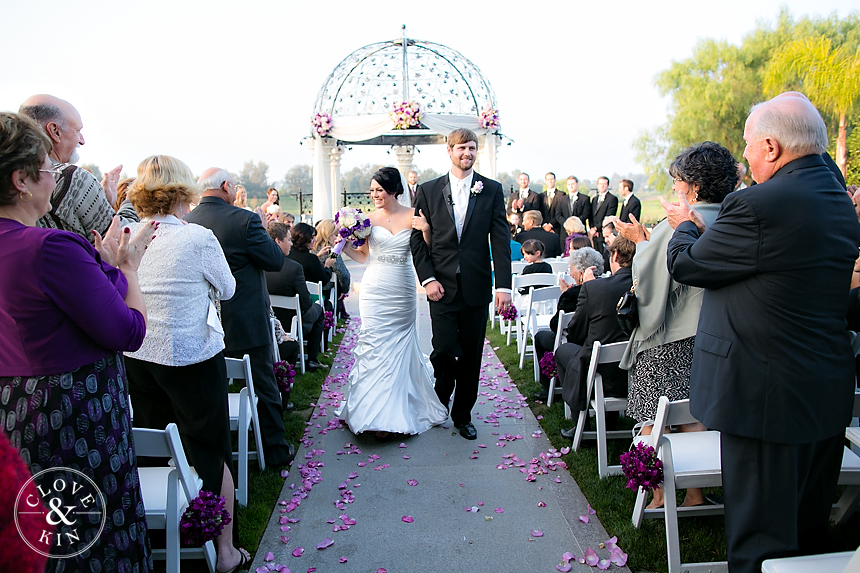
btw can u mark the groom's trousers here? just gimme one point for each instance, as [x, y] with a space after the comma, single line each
[458, 342]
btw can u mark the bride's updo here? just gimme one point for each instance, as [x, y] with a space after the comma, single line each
[389, 179]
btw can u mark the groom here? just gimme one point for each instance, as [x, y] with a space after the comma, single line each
[463, 210]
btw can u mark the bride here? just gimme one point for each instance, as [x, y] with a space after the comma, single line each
[390, 386]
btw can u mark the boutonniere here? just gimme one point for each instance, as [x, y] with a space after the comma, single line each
[477, 188]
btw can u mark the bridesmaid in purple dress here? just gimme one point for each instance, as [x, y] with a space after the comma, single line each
[66, 314]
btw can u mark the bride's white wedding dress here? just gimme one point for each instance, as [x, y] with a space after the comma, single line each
[391, 383]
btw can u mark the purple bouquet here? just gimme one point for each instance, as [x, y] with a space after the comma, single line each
[203, 520]
[547, 365]
[642, 467]
[284, 375]
[352, 225]
[328, 320]
[510, 314]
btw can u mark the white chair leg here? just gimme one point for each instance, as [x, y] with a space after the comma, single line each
[551, 393]
[244, 427]
[639, 508]
[673, 548]
[846, 505]
[580, 428]
[171, 532]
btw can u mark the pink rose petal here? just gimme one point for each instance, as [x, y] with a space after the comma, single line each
[500, 510]
[536, 533]
[381, 570]
[565, 450]
[285, 539]
[405, 457]
[297, 552]
[564, 567]
[541, 504]
[611, 543]
[285, 474]
[262, 569]
[583, 518]
[603, 564]
[342, 560]
[327, 542]
[568, 557]
[407, 519]
[591, 558]
[412, 482]
[591, 511]
[269, 557]
[402, 446]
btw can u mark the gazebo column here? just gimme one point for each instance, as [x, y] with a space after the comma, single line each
[404, 154]
[336, 182]
[489, 148]
[322, 206]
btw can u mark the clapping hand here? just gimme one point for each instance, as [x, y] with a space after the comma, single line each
[109, 183]
[108, 245]
[131, 250]
[679, 212]
[633, 231]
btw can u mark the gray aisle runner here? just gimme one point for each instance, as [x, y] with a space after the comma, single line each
[433, 502]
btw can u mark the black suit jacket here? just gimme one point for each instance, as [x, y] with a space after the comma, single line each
[608, 208]
[633, 206]
[582, 209]
[533, 202]
[314, 270]
[290, 281]
[249, 251]
[485, 217]
[550, 241]
[772, 359]
[557, 212]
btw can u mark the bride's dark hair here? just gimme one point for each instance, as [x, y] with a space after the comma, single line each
[389, 179]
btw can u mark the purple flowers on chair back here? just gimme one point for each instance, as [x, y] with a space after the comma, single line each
[328, 320]
[203, 520]
[284, 375]
[547, 365]
[510, 314]
[642, 467]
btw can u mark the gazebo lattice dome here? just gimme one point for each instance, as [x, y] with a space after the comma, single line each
[372, 79]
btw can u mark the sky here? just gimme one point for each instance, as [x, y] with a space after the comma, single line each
[220, 83]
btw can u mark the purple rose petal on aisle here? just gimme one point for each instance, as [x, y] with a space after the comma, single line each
[407, 519]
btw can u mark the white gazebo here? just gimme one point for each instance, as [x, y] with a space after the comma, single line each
[356, 106]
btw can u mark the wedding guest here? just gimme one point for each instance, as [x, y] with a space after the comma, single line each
[605, 204]
[323, 244]
[290, 281]
[315, 271]
[533, 254]
[241, 198]
[525, 199]
[123, 206]
[287, 219]
[574, 228]
[78, 203]
[532, 221]
[557, 211]
[595, 318]
[630, 204]
[781, 405]
[270, 209]
[580, 204]
[580, 261]
[659, 355]
[249, 252]
[67, 312]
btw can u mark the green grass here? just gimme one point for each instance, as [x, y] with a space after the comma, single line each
[702, 538]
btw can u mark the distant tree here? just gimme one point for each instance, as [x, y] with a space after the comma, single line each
[254, 177]
[298, 177]
[94, 169]
[428, 174]
[829, 76]
[852, 175]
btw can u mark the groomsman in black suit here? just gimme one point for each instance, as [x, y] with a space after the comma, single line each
[526, 199]
[630, 204]
[463, 209]
[605, 204]
[412, 184]
[773, 368]
[558, 210]
[580, 205]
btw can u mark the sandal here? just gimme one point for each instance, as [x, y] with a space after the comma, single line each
[244, 562]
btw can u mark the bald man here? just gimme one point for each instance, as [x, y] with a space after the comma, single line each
[79, 203]
[773, 367]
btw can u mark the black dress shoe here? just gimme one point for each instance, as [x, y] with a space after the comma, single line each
[314, 365]
[541, 396]
[569, 433]
[288, 461]
[468, 431]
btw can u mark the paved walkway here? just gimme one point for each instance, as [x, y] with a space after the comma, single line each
[433, 502]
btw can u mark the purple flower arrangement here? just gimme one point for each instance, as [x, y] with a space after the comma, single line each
[328, 320]
[547, 365]
[352, 225]
[510, 314]
[322, 124]
[642, 467]
[406, 115]
[489, 117]
[203, 520]
[284, 375]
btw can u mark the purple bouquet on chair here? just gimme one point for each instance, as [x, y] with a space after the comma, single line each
[203, 520]
[547, 365]
[352, 225]
[642, 467]
[284, 375]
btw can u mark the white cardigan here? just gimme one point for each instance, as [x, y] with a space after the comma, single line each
[175, 276]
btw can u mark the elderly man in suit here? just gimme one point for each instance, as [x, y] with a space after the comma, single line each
[630, 204]
[532, 230]
[245, 317]
[595, 318]
[463, 209]
[605, 204]
[773, 367]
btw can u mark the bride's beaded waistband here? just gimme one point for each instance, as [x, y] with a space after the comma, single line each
[393, 259]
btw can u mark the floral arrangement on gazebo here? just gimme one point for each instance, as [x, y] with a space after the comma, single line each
[489, 118]
[406, 115]
[322, 124]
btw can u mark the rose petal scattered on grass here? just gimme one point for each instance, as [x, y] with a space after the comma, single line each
[297, 552]
[285, 474]
[327, 542]
[499, 510]
[565, 450]
[407, 519]
[536, 533]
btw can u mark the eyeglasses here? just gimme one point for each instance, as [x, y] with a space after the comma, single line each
[677, 180]
[55, 170]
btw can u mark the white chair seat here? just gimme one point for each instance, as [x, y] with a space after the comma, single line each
[850, 473]
[154, 494]
[835, 562]
[696, 459]
[612, 405]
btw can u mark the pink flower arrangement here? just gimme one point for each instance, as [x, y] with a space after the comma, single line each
[406, 115]
[284, 375]
[489, 117]
[642, 467]
[547, 365]
[203, 520]
[322, 124]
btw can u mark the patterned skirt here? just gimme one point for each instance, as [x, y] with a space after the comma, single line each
[80, 420]
[660, 371]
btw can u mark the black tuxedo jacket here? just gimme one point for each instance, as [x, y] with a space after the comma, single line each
[485, 218]
[633, 206]
[557, 212]
[550, 241]
[582, 209]
[533, 202]
[249, 251]
[773, 359]
[608, 208]
[290, 281]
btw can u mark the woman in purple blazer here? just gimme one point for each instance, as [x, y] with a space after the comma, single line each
[66, 314]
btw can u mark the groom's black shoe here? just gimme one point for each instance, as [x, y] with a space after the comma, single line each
[569, 433]
[468, 431]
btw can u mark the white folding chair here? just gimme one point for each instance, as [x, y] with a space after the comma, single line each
[849, 476]
[523, 281]
[276, 353]
[846, 562]
[292, 303]
[166, 493]
[243, 416]
[600, 404]
[541, 308]
[516, 268]
[333, 305]
[560, 266]
[564, 319]
[690, 460]
[316, 292]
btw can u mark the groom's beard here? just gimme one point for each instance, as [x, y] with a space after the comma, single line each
[464, 163]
